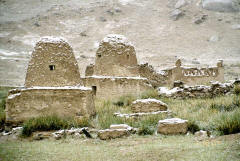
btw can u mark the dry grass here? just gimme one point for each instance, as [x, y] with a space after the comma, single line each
[134, 148]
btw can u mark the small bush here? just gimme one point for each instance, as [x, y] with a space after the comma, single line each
[150, 94]
[227, 122]
[145, 130]
[124, 100]
[237, 89]
[193, 126]
[46, 123]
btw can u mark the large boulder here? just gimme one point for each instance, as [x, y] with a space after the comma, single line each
[148, 105]
[221, 5]
[112, 133]
[172, 126]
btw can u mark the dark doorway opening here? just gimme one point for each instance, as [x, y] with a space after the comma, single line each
[94, 89]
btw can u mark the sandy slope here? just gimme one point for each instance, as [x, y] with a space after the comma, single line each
[158, 39]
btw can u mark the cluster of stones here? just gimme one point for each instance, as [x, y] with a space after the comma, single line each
[199, 91]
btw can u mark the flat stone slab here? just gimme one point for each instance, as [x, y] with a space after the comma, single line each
[140, 114]
[112, 133]
[172, 126]
[148, 105]
[120, 126]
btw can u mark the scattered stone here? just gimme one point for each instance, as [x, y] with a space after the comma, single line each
[124, 126]
[59, 134]
[120, 126]
[236, 27]
[180, 4]
[214, 38]
[41, 135]
[221, 5]
[37, 24]
[198, 91]
[195, 61]
[86, 133]
[201, 19]
[112, 133]
[103, 19]
[118, 10]
[172, 126]
[201, 135]
[178, 83]
[111, 12]
[84, 34]
[176, 14]
[148, 105]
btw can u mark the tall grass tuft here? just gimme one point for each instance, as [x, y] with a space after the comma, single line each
[193, 126]
[2, 111]
[150, 94]
[237, 89]
[227, 122]
[46, 123]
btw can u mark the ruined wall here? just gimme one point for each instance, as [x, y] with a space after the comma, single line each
[32, 102]
[116, 56]
[113, 87]
[52, 65]
[155, 78]
[193, 76]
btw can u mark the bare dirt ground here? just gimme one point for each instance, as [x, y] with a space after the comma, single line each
[158, 39]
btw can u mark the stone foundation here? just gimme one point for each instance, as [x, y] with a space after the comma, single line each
[67, 102]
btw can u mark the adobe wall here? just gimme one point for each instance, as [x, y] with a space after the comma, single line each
[52, 64]
[194, 76]
[113, 87]
[155, 78]
[27, 103]
[116, 56]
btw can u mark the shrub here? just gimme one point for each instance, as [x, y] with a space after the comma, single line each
[46, 123]
[145, 130]
[105, 117]
[124, 100]
[237, 89]
[150, 94]
[193, 126]
[227, 122]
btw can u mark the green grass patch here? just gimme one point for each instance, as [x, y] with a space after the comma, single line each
[227, 122]
[46, 123]
[237, 89]
[150, 94]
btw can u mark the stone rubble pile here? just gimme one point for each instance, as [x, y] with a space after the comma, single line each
[198, 91]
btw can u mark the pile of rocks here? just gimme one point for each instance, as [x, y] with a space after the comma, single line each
[198, 91]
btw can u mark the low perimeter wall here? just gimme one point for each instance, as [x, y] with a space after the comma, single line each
[112, 87]
[26, 103]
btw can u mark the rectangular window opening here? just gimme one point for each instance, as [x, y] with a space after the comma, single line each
[52, 67]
